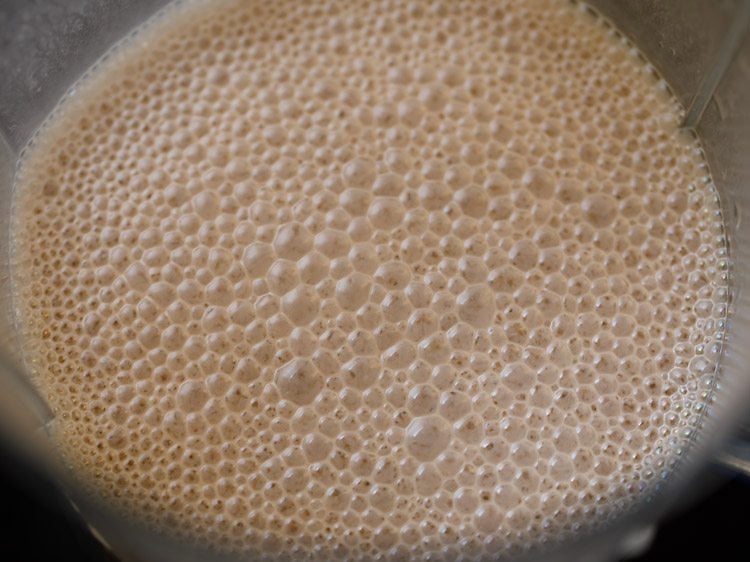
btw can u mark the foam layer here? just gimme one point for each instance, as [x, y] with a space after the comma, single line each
[371, 280]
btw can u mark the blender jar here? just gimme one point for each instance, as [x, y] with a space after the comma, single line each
[700, 47]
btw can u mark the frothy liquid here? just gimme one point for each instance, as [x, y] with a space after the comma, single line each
[371, 279]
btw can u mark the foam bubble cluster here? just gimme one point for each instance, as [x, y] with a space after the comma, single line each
[371, 280]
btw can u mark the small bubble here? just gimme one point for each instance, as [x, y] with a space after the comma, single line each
[191, 396]
[427, 437]
[292, 241]
[299, 381]
[360, 172]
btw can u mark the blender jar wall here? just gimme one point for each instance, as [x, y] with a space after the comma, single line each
[702, 49]
[45, 45]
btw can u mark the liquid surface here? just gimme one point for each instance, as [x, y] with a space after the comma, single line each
[370, 279]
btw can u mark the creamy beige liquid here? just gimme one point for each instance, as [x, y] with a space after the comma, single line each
[370, 280]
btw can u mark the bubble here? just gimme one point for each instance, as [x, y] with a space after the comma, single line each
[599, 209]
[206, 205]
[434, 349]
[361, 372]
[191, 396]
[292, 241]
[353, 290]
[219, 292]
[473, 201]
[137, 277]
[422, 400]
[299, 381]
[301, 305]
[524, 255]
[313, 267]
[356, 201]
[427, 480]
[512, 165]
[561, 467]
[469, 429]
[363, 257]
[427, 437]
[393, 275]
[282, 277]
[517, 377]
[360, 172]
[434, 195]
[487, 518]
[476, 306]
[316, 447]
[433, 97]
[257, 258]
[386, 213]
[539, 182]
[332, 243]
